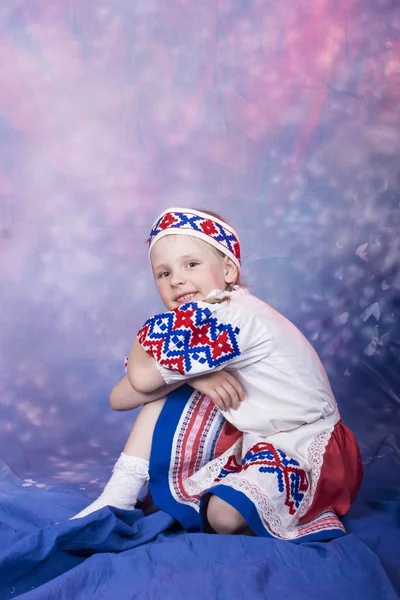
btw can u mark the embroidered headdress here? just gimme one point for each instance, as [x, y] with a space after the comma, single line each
[188, 221]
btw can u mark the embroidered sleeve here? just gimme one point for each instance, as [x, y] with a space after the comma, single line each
[192, 340]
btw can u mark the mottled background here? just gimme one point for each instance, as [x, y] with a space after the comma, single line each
[283, 116]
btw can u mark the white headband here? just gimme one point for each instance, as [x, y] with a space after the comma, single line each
[187, 221]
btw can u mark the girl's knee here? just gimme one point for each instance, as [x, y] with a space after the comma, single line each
[223, 518]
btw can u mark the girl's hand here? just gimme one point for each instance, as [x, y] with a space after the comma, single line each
[222, 387]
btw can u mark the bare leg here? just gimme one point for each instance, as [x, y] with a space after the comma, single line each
[224, 518]
[141, 435]
[131, 471]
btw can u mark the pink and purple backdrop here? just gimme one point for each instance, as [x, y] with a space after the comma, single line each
[282, 116]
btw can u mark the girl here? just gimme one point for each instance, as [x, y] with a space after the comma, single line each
[263, 450]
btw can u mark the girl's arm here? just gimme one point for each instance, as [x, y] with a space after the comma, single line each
[142, 372]
[124, 397]
[222, 387]
[194, 340]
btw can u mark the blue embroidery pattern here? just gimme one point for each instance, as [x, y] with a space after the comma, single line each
[291, 480]
[196, 223]
[189, 334]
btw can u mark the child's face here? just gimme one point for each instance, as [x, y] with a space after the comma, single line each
[187, 269]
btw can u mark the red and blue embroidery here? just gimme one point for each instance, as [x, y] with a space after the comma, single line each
[189, 334]
[291, 479]
[204, 225]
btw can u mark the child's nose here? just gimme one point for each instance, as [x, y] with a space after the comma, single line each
[177, 278]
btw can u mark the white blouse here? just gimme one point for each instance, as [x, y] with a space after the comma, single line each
[285, 383]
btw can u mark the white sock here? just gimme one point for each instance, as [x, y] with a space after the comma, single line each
[129, 475]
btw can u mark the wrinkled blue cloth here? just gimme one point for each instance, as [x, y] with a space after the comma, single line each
[124, 554]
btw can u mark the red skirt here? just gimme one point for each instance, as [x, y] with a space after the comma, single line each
[341, 475]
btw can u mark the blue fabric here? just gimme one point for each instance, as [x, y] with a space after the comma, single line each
[121, 554]
[160, 459]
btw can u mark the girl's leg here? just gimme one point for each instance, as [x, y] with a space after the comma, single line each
[141, 435]
[131, 471]
[224, 518]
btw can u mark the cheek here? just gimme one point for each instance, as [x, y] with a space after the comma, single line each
[163, 293]
[217, 277]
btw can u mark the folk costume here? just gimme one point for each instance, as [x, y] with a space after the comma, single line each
[284, 459]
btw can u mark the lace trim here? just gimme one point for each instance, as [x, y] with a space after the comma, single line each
[204, 478]
[316, 453]
[221, 295]
[133, 465]
[218, 294]
[267, 509]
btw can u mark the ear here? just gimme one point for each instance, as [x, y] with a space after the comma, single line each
[230, 270]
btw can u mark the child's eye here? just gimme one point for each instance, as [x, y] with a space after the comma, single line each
[192, 264]
[163, 274]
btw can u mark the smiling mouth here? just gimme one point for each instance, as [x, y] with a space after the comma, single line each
[186, 297]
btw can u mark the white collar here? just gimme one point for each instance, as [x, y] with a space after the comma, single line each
[224, 294]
